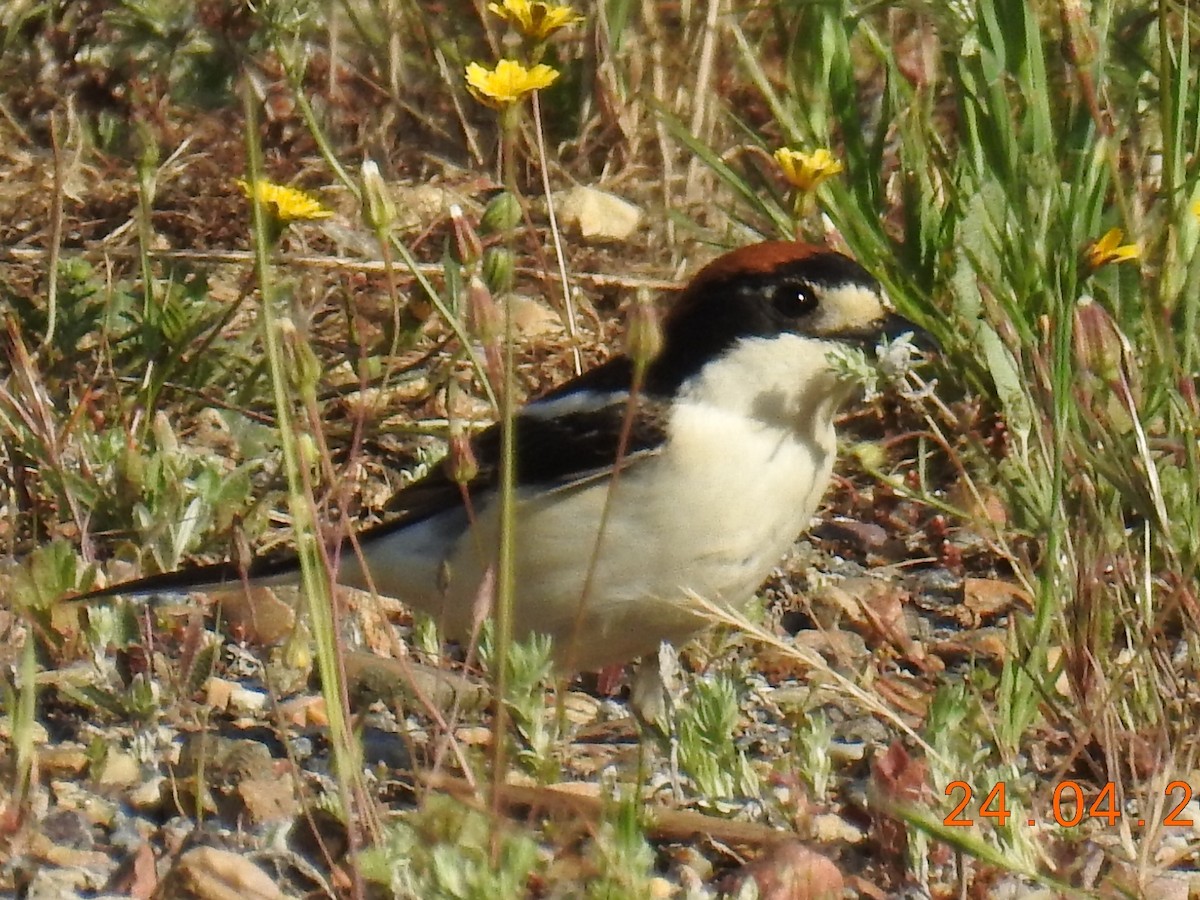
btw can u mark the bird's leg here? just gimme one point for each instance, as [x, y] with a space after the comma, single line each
[652, 696]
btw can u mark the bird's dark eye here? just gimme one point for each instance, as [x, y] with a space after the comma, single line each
[794, 298]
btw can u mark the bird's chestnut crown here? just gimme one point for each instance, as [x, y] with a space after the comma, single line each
[786, 286]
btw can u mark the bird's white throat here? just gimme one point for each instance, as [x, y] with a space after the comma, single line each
[784, 381]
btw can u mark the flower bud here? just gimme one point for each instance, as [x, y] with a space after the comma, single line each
[1188, 391]
[164, 434]
[869, 455]
[308, 451]
[306, 368]
[1099, 345]
[148, 159]
[378, 207]
[460, 460]
[503, 214]
[499, 269]
[484, 314]
[1078, 37]
[643, 339]
[466, 240]
[297, 650]
[131, 475]
[486, 320]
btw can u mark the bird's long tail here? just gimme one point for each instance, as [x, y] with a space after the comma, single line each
[205, 578]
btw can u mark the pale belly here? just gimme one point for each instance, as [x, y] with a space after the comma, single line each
[711, 523]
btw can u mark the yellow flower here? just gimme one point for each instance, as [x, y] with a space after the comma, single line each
[806, 171]
[536, 19]
[284, 203]
[1109, 249]
[1196, 209]
[508, 82]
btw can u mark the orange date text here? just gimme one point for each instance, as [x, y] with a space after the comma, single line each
[1069, 805]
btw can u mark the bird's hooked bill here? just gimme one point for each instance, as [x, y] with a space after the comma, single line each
[896, 326]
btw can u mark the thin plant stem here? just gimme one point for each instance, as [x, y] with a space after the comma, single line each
[506, 561]
[310, 118]
[314, 578]
[56, 228]
[24, 716]
[555, 234]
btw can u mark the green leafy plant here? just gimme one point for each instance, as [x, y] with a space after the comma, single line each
[706, 724]
[530, 669]
[442, 850]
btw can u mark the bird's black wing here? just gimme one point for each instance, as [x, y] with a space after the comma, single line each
[578, 442]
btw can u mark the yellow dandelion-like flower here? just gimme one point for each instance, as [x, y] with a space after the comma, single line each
[1196, 209]
[508, 82]
[1109, 249]
[807, 171]
[286, 204]
[536, 20]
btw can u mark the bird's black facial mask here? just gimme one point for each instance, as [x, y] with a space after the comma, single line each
[830, 296]
[768, 289]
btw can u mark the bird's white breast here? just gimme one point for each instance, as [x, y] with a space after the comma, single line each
[749, 453]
